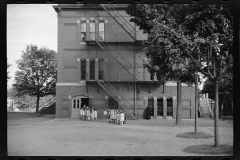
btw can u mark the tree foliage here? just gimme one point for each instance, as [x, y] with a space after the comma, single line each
[202, 34]
[8, 65]
[37, 72]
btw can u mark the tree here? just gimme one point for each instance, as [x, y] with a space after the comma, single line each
[166, 44]
[38, 72]
[214, 27]
[202, 33]
[8, 65]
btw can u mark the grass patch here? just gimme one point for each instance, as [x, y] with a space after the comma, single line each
[209, 149]
[197, 135]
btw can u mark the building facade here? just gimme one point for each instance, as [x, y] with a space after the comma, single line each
[99, 63]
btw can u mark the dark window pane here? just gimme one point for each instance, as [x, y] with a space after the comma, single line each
[92, 69]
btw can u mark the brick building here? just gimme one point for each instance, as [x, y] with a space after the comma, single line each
[100, 65]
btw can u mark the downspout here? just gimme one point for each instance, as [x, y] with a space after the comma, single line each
[136, 115]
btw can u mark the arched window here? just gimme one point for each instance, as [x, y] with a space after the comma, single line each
[101, 69]
[83, 69]
[101, 31]
[83, 31]
[92, 69]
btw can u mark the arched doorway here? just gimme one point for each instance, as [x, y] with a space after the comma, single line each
[77, 103]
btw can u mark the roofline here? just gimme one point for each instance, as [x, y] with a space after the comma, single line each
[86, 6]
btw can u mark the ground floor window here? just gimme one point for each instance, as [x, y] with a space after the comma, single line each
[112, 103]
[160, 107]
[150, 103]
[169, 107]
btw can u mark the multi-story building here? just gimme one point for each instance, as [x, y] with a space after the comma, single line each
[99, 63]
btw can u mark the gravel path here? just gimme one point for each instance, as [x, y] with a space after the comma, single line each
[72, 137]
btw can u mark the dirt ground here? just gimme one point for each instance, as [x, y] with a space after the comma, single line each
[47, 136]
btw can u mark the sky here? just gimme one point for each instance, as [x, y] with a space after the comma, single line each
[29, 24]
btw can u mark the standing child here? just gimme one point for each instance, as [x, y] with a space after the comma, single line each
[111, 115]
[114, 116]
[118, 118]
[80, 113]
[95, 114]
[92, 115]
[122, 118]
[88, 114]
[83, 115]
[105, 115]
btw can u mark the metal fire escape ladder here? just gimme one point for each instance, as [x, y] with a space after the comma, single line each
[125, 25]
[104, 45]
[114, 93]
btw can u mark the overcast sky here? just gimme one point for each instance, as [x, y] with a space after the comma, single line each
[29, 24]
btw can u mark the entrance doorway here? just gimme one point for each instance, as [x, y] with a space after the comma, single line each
[78, 103]
[85, 102]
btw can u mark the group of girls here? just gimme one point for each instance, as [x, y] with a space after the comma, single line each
[88, 114]
[115, 116]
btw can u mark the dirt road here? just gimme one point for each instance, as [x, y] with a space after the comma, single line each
[72, 137]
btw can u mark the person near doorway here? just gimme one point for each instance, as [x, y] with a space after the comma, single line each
[121, 118]
[95, 114]
[81, 113]
[118, 118]
[148, 112]
[105, 115]
[92, 114]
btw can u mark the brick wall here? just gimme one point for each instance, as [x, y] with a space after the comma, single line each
[70, 50]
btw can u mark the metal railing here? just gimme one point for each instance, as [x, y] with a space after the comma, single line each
[113, 92]
[109, 8]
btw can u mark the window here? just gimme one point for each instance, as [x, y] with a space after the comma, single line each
[150, 103]
[92, 69]
[83, 69]
[101, 70]
[101, 31]
[92, 31]
[112, 103]
[83, 31]
[78, 103]
[160, 107]
[169, 106]
[74, 103]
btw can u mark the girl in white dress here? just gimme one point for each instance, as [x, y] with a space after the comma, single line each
[122, 118]
[95, 114]
[92, 115]
[118, 118]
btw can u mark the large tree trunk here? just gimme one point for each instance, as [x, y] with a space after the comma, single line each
[196, 104]
[37, 106]
[216, 129]
[179, 103]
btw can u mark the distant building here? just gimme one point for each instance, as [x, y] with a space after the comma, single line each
[100, 65]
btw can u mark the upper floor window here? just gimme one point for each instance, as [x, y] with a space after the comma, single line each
[83, 30]
[83, 69]
[101, 31]
[101, 70]
[92, 31]
[92, 69]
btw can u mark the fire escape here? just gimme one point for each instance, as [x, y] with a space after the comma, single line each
[125, 64]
